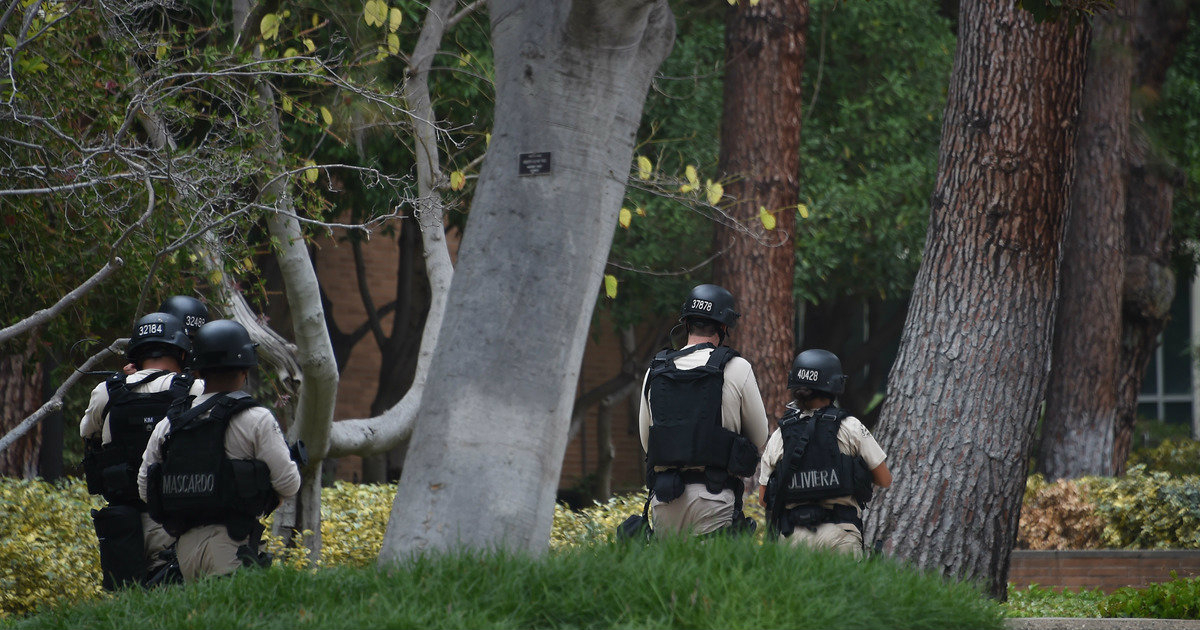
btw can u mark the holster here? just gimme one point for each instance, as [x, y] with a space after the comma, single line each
[122, 547]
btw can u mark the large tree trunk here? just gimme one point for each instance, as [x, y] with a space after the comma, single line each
[760, 155]
[963, 396]
[1081, 395]
[487, 448]
[20, 396]
[1149, 282]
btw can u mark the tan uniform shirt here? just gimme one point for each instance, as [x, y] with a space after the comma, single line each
[252, 434]
[853, 439]
[154, 538]
[698, 510]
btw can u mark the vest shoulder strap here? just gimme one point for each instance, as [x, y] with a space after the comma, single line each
[119, 387]
[665, 360]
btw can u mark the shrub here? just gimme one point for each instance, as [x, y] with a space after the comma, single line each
[1059, 515]
[1177, 599]
[1179, 457]
[48, 553]
[1039, 601]
[1148, 510]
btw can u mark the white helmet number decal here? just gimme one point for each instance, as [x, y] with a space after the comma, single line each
[150, 329]
[702, 305]
[808, 375]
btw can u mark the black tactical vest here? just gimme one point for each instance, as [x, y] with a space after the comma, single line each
[686, 408]
[813, 467]
[112, 469]
[196, 483]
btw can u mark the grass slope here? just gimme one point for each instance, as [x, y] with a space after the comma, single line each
[671, 584]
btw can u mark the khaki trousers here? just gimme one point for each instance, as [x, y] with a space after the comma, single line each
[697, 511]
[841, 537]
[207, 550]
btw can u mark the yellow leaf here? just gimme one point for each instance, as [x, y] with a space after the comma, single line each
[487, 139]
[316, 20]
[393, 43]
[768, 219]
[645, 167]
[754, 3]
[309, 45]
[287, 103]
[803, 211]
[375, 13]
[382, 54]
[625, 217]
[269, 26]
[290, 52]
[260, 49]
[215, 277]
[162, 50]
[310, 174]
[690, 174]
[732, 2]
[686, 188]
[641, 212]
[610, 286]
[326, 115]
[395, 17]
[715, 191]
[457, 180]
[846, 151]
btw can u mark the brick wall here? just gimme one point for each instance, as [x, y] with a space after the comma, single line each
[1106, 570]
[359, 380]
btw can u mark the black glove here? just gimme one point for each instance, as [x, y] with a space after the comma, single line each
[299, 453]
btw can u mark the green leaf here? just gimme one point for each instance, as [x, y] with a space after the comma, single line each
[269, 26]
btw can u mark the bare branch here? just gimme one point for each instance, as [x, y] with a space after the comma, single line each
[56, 401]
[46, 314]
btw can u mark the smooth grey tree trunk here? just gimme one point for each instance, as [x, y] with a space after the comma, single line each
[486, 451]
[965, 391]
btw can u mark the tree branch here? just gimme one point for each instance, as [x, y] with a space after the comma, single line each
[46, 314]
[56, 401]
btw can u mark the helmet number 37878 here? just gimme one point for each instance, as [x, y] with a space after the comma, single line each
[702, 305]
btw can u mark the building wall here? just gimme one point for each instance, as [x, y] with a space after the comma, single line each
[359, 380]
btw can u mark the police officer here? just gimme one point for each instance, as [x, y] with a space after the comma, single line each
[702, 422]
[115, 427]
[218, 462]
[819, 467]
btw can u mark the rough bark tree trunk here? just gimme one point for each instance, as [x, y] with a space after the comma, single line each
[1081, 392]
[760, 155]
[487, 448]
[963, 396]
[1149, 284]
[20, 396]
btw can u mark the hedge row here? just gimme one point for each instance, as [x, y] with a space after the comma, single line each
[1142, 510]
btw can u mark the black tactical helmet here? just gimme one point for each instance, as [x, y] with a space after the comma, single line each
[710, 302]
[818, 370]
[192, 312]
[155, 335]
[223, 343]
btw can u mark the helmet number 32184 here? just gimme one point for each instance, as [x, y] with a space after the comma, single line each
[150, 329]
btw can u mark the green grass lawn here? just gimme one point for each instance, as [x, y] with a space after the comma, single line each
[670, 584]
